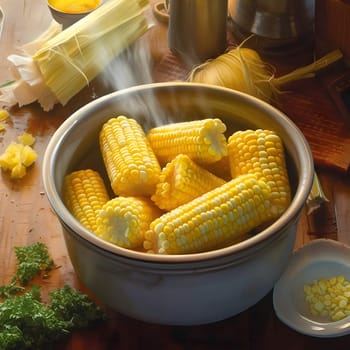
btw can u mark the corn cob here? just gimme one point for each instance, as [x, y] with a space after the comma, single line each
[132, 167]
[182, 180]
[261, 152]
[84, 193]
[124, 220]
[202, 140]
[217, 218]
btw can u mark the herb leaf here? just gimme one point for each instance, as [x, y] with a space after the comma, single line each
[28, 323]
[32, 260]
[74, 307]
[11, 289]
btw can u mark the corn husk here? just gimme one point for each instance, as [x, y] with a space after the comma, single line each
[243, 69]
[63, 64]
[316, 197]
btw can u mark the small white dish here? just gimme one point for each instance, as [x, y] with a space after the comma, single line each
[319, 258]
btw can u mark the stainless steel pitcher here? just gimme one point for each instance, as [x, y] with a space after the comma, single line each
[197, 28]
[280, 21]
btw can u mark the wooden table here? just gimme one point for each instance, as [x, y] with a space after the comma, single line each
[26, 217]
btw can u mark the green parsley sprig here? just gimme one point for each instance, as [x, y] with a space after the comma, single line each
[28, 323]
[32, 261]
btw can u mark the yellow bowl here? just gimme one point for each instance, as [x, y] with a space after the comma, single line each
[64, 13]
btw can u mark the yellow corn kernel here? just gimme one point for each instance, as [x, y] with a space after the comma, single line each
[28, 156]
[217, 218]
[18, 171]
[131, 164]
[124, 220]
[261, 152]
[4, 114]
[182, 180]
[84, 193]
[327, 297]
[202, 140]
[16, 158]
[27, 139]
[2, 127]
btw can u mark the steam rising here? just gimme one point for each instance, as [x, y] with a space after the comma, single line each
[130, 68]
[134, 67]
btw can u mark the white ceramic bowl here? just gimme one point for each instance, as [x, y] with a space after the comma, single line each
[176, 289]
[321, 258]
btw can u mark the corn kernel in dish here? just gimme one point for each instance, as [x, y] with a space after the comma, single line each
[329, 297]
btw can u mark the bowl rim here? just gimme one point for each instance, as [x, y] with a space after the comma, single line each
[62, 12]
[288, 217]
